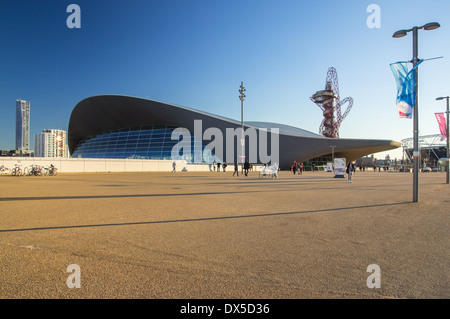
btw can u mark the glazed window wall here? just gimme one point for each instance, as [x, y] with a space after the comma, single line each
[144, 142]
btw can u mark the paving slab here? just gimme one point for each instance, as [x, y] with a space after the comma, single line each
[212, 235]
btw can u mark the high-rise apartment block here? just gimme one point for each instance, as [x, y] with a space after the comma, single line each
[22, 125]
[50, 143]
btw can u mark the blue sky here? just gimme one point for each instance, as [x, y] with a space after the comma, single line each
[195, 53]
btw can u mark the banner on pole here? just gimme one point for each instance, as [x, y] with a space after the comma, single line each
[442, 124]
[406, 88]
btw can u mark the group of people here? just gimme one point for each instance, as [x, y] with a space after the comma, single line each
[224, 166]
[297, 167]
[247, 167]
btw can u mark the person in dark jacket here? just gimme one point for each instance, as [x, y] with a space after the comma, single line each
[246, 167]
[350, 171]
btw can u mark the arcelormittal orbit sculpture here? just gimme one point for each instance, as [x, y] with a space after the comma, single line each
[330, 103]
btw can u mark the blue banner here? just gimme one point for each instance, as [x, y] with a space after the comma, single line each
[406, 88]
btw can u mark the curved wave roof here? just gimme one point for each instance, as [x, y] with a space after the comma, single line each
[284, 129]
[105, 113]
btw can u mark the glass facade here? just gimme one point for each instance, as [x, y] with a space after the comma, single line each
[143, 142]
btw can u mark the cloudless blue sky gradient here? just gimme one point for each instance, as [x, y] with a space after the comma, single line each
[195, 53]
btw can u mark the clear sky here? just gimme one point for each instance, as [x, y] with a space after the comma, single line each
[195, 53]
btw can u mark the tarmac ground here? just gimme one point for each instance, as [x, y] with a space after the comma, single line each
[211, 235]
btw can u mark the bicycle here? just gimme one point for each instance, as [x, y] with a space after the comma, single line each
[3, 169]
[33, 170]
[16, 171]
[38, 171]
[50, 171]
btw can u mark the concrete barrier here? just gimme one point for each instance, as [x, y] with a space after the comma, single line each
[101, 165]
[94, 165]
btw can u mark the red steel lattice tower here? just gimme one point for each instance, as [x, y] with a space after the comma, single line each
[330, 103]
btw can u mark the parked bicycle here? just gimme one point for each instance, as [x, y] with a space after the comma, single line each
[37, 170]
[17, 170]
[3, 170]
[51, 171]
[33, 170]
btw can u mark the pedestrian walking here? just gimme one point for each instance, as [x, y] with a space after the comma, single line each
[174, 167]
[246, 167]
[350, 171]
[236, 169]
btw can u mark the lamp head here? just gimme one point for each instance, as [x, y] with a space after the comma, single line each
[431, 26]
[400, 34]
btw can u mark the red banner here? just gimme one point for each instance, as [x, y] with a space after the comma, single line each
[442, 124]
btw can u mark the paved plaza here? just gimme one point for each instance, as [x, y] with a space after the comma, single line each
[212, 235]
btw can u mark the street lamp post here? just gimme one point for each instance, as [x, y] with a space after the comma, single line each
[415, 61]
[448, 132]
[332, 153]
[242, 98]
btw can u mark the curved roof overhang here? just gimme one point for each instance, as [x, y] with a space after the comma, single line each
[105, 113]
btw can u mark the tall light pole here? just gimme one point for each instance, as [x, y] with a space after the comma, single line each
[415, 61]
[448, 132]
[332, 153]
[242, 98]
